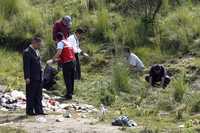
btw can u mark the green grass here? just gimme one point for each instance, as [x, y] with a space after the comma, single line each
[5, 129]
[11, 74]
[176, 32]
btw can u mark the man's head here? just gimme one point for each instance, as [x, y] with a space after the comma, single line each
[59, 37]
[126, 51]
[157, 69]
[67, 21]
[79, 32]
[36, 42]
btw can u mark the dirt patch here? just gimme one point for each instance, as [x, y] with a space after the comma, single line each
[68, 125]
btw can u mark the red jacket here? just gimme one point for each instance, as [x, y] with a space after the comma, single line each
[60, 27]
[67, 54]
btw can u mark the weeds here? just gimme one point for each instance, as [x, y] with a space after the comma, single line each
[180, 86]
[120, 78]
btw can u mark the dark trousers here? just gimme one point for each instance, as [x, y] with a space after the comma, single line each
[155, 82]
[68, 73]
[77, 74]
[34, 97]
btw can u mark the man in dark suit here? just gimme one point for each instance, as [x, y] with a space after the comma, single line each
[33, 78]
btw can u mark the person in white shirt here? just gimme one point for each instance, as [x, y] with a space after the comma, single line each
[74, 40]
[133, 60]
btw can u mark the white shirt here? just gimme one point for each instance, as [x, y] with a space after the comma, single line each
[135, 61]
[75, 42]
[61, 45]
[36, 50]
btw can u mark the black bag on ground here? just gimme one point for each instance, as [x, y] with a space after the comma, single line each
[49, 77]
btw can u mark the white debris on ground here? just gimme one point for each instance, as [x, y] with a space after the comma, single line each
[16, 100]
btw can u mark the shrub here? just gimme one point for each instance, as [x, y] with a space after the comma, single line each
[180, 86]
[101, 25]
[126, 32]
[165, 104]
[195, 103]
[107, 97]
[120, 77]
[196, 107]
[9, 8]
[149, 57]
[178, 29]
[19, 22]
[107, 93]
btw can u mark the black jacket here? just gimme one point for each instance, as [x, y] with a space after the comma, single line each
[31, 65]
[49, 78]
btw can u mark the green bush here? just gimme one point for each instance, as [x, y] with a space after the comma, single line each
[107, 93]
[179, 29]
[149, 57]
[126, 33]
[101, 25]
[20, 21]
[196, 107]
[120, 77]
[11, 74]
[107, 96]
[180, 87]
[9, 8]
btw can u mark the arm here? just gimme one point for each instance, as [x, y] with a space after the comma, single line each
[151, 76]
[57, 55]
[164, 73]
[150, 81]
[132, 67]
[26, 67]
[162, 82]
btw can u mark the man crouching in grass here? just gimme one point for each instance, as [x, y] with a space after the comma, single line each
[134, 62]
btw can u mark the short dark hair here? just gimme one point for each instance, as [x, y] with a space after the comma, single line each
[36, 39]
[157, 67]
[59, 36]
[127, 49]
[80, 30]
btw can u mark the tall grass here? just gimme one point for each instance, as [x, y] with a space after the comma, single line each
[179, 29]
[126, 33]
[8, 8]
[11, 74]
[180, 86]
[120, 77]
[101, 25]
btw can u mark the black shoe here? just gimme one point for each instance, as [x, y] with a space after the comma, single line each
[68, 97]
[41, 114]
[31, 114]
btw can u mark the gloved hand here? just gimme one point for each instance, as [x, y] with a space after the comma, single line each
[85, 54]
[50, 61]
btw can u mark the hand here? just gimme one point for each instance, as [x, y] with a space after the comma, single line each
[85, 54]
[27, 81]
[50, 62]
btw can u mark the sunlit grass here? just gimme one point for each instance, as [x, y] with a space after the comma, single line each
[11, 74]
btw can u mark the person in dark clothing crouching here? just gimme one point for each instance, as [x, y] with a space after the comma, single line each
[158, 76]
[33, 78]
[65, 55]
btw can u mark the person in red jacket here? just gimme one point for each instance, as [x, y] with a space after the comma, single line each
[63, 26]
[65, 55]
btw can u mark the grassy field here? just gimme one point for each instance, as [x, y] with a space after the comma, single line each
[11, 74]
[171, 37]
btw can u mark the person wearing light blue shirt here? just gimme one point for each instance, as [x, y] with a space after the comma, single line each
[134, 61]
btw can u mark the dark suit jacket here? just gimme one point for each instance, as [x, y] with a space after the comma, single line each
[31, 65]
